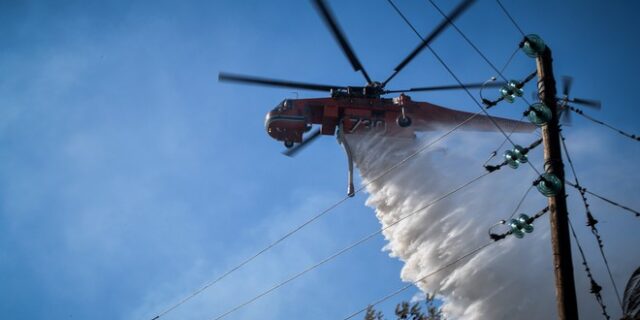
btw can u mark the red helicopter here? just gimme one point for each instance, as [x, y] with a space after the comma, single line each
[362, 109]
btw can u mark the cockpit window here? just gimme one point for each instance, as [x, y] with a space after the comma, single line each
[283, 106]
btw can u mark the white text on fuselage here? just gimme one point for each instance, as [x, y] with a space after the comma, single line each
[366, 123]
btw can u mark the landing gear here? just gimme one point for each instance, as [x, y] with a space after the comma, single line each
[288, 144]
[347, 149]
[403, 120]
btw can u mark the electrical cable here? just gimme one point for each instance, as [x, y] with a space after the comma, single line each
[510, 18]
[482, 109]
[349, 247]
[309, 221]
[520, 202]
[491, 104]
[495, 123]
[580, 112]
[495, 151]
[432, 142]
[470, 253]
[471, 43]
[595, 288]
[504, 68]
[574, 109]
[421, 149]
[484, 57]
[522, 151]
[362, 187]
[187, 298]
[497, 237]
[635, 212]
[591, 221]
[312, 219]
[499, 72]
[243, 263]
[466, 255]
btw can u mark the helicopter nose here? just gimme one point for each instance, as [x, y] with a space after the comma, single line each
[285, 127]
[267, 119]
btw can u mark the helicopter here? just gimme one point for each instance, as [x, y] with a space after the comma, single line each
[363, 109]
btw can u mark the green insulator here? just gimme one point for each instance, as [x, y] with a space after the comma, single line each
[512, 159]
[533, 45]
[511, 91]
[549, 185]
[516, 87]
[515, 157]
[508, 94]
[523, 219]
[524, 223]
[516, 228]
[520, 153]
[523, 159]
[539, 114]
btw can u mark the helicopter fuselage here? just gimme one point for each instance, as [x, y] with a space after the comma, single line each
[293, 117]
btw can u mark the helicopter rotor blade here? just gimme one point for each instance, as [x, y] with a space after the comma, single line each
[310, 137]
[228, 77]
[565, 114]
[493, 84]
[595, 104]
[567, 82]
[462, 7]
[331, 22]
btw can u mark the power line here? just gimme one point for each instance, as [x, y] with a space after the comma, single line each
[504, 68]
[595, 288]
[466, 255]
[314, 218]
[491, 104]
[349, 247]
[323, 213]
[574, 109]
[635, 212]
[499, 72]
[470, 253]
[495, 151]
[536, 216]
[507, 136]
[520, 202]
[482, 109]
[580, 112]
[591, 221]
[471, 43]
[594, 231]
[243, 263]
[522, 151]
[358, 190]
[510, 17]
[431, 143]
[524, 196]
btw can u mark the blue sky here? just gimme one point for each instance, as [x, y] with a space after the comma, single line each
[129, 176]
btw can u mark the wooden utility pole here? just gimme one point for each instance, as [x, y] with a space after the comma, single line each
[560, 242]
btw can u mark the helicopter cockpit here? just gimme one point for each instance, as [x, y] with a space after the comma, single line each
[283, 106]
[284, 126]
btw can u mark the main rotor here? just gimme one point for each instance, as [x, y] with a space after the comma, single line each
[372, 89]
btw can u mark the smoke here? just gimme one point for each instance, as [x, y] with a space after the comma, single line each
[509, 279]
